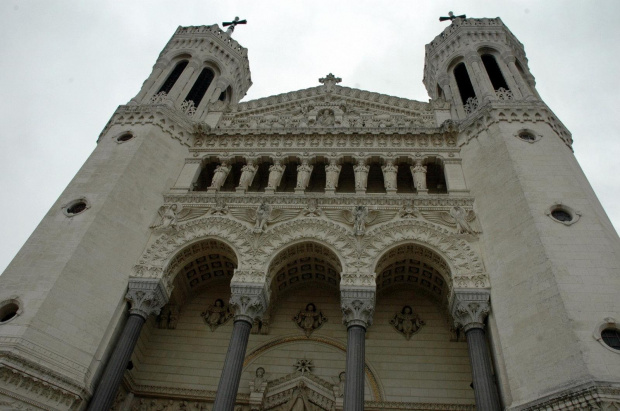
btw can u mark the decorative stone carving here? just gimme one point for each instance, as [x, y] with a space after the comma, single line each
[263, 215]
[358, 306]
[220, 207]
[304, 170]
[169, 216]
[248, 301]
[457, 218]
[188, 108]
[216, 315]
[418, 171]
[360, 217]
[169, 317]
[258, 385]
[469, 308]
[219, 176]
[309, 319]
[303, 365]
[312, 209]
[275, 175]
[339, 385]
[407, 322]
[361, 175]
[248, 172]
[146, 296]
[332, 172]
[409, 210]
[389, 175]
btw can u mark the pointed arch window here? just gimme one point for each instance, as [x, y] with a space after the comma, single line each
[494, 72]
[466, 89]
[200, 86]
[173, 77]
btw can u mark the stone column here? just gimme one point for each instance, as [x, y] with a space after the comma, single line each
[479, 78]
[185, 82]
[249, 302]
[358, 305]
[522, 85]
[146, 297]
[469, 309]
[149, 83]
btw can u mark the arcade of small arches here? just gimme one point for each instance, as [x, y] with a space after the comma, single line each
[322, 174]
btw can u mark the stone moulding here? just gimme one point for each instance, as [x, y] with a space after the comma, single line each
[590, 396]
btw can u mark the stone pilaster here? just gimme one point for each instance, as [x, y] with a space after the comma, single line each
[358, 306]
[469, 309]
[146, 297]
[249, 302]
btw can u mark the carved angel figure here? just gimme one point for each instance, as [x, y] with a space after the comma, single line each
[220, 207]
[361, 175]
[406, 322]
[359, 220]
[217, 314]
[303, 174]
[219, 176]
[312, 209]
[332, 171]
[275, 175]
[457, 217]
[248, 172]
[360, 217]
[419, 175]
[263, 215]
[309, 320]
[263, 212]
[409, 211]
[389, 175]
[167, 217]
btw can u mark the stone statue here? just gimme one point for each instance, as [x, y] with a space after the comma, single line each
[406, 322]
[217, 315]
[303, 175]
[419, 175]
[325, 118]
[167, 217]
[309, 320]
[332, 172]
[409, 210]
[361, 175]
[359, 220]
[389, 175]
[219, 176]
[263, 212]
[460, 217]
[260, 382]
[312, 209]
[339, 386]
[220, 207]
[248, 172]
[275, 175]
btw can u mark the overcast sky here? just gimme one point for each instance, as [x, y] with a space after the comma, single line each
[66, 65]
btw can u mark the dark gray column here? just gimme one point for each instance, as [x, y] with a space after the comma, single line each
[249, 302]
[470, 308]
[115, 369]
[358, 305]
[485, 390]
[146, 296]
[231, 373]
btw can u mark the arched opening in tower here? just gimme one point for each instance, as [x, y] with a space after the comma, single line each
[466, 89]
[200, 86]
[494, 72]
[173, 77]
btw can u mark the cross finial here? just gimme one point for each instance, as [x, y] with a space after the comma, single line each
[451, 17]
[233, 24]
[330, 80]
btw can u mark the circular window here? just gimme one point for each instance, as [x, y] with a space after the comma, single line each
[527, 136]
[8, 311]
[611, 337]
[561, 215]
[75, 207]
[124, 137]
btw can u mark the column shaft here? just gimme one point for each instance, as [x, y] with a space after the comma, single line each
[485, 390]
[354, 385]
[113, 374]
[233, 365]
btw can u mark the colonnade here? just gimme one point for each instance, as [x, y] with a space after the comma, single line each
[250, 301]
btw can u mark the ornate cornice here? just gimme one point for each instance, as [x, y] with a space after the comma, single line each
[358, 306]
[146, 296]
[590, 396]
[470, 307]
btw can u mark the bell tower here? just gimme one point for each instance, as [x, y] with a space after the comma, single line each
[550, 250]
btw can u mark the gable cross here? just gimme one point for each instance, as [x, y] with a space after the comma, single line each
[451, 17]
[233, 24]
[330, 80]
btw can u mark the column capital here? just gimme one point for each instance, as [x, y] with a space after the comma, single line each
[249, 301]
[146, 295]
[358, 306]
[470, 307]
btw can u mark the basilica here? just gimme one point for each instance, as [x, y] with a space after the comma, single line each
[328, 248]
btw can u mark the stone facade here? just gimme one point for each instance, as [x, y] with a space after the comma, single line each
[455, 242]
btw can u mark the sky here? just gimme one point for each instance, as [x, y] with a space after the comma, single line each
[67, 65]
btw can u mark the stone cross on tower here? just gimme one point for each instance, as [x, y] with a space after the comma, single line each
[233, 24]
[451, 17]
[329, 81]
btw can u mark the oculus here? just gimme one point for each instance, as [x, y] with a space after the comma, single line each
[75, 207]
[563, 214]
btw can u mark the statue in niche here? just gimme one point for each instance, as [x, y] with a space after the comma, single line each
[219, 176]
[309, 320]
[275, 175]
[168, 317]
[259, 383]
[389, 175]
[248, 172]
[217, 314]
[304, 170]
[419, 175]
[332, 171]
[339, 386]
[325, 118]
[407, 322]
[361, 175]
